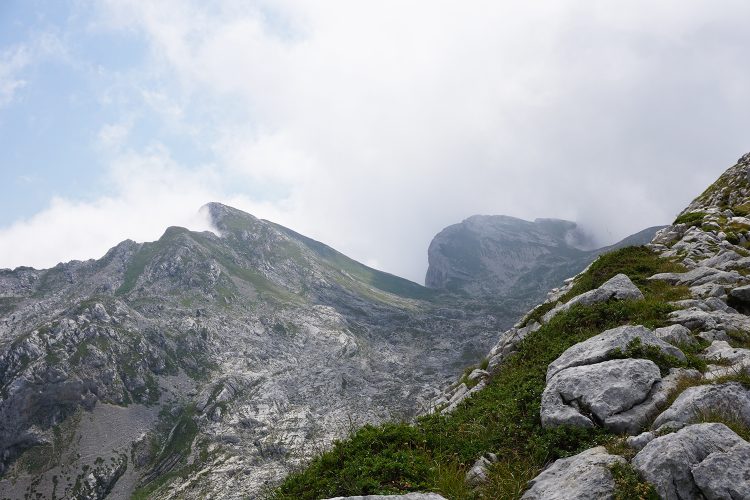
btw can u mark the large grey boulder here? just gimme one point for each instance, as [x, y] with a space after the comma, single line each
[599, 348]
[632, 421]
[675, 334]
[695, 318]
[600, 390]
[727, 400]
[667, 462]
[618, 287]
[725, 474]
[584, 476]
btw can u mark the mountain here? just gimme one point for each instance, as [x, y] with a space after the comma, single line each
[209, 365]
[497, 255]
[631, 381]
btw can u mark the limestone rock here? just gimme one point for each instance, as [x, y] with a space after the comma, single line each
[700, 276]
[668, 462]
[725, 474]
[599, 347]
[585, 476]
[728, 400]
[600, 390]
[733, 360]
[675, 334]
[636, 418]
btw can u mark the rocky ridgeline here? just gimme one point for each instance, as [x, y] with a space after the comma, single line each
[205, 365]
[678, 419]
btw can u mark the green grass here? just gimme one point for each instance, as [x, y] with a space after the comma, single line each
[629, 486]
[665, 362]
[691, 218]
[503, 418]
[638, 263]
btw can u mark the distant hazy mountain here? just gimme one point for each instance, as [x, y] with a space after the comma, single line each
[497, 255]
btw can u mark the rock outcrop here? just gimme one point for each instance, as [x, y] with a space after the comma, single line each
[601, 347]
[729, 401]
[586, 476]
[684, 464]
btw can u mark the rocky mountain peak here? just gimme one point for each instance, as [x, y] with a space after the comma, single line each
[228, 219]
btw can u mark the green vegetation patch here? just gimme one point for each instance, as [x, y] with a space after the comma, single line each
[637, 349]
[503, 418]
[629, 485]
[691, 218]
[638, 263]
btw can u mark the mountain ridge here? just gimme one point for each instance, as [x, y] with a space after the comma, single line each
[237, 352]
[499, 255]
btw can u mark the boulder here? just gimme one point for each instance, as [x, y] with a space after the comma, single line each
[600, 390]
[700, 276]
[636, 418]
[694, 319]
[708, 290]
[728, 400]
[725, 474]
[478, 373]
[722, 350]
[508, 342]
[599, 347]
[674, 334]
[716, 304]
[584, 476]
[668, 462]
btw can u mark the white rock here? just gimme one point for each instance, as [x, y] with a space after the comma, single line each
[585, 476]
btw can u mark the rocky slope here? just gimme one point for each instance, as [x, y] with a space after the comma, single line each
[689, 427]
[631, 381]
[207, 366]
[501, 256]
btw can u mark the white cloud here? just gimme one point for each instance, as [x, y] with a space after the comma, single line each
[149, 194]
[372, 125]
[113, 136]
[12, 63]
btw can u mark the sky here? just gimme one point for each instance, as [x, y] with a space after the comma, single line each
[368, 125]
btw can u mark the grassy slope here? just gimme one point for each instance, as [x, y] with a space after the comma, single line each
[435, 452]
